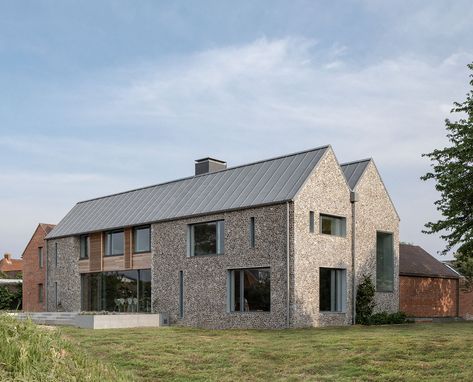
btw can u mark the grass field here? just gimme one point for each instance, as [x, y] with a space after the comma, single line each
[414, 352]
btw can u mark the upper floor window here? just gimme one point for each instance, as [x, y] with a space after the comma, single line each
[40, 257]
[332, 225]
[206, 238]
[252, 232]
[384, 262]
[332, 290]
[55, 254]
[311, 221]
[142, 239]
[84, 247]
[114, 243]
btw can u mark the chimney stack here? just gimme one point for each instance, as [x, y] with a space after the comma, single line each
[7, 256]
[208, 165]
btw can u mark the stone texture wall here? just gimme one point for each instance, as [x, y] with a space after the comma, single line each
[326, 192]
[66, 274]
[428, 296]
[205, 277]
[375, 212]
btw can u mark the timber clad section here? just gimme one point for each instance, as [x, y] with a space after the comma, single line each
[95, 255]
[142, 261]
[128, 247]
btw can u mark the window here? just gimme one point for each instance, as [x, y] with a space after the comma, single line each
[206, 238]
[252, 233]
[40, 257]
[114, 243]
[55, 255]
[40, 293]
[56, 295]
[311, 222]
[249, 290]
[332, 225]
[332, 290]
[181, 294]
[384, 262]
[84, 247]
[142, 239]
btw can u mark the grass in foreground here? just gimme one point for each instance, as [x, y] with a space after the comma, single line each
[429, 352]
[32, 353]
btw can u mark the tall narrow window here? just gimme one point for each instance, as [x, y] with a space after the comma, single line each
[250, 290]
[40, 257]
[206, 238]
[55, 254]
[84, 247]
[142, 239]
[40, 293]
[252, 233]
[181, 294]
[332, 290]
[311, 222]
[332, 225]
[384, 262]
[56, 295]
[114, 243]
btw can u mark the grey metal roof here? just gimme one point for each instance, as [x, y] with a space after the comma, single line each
[266, 182]
[354, 170]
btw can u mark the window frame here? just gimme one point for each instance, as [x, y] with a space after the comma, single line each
[340, 293]
[231, 290]
[55, 254]
[40, 293]
[343, 220]
[108, 243]
[40, 257]
[87, 247]
[219, 237]
[378, 289]
[181, 294]
[134, 238]
[252, 232]
[311, 221]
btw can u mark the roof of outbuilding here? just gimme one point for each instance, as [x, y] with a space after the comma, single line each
[11, 265]
[415, 261]
[354, 170]
[269, 181]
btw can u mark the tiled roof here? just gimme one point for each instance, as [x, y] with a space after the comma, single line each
[11, 265]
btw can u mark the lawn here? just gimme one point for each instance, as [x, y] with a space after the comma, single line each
[411, 352]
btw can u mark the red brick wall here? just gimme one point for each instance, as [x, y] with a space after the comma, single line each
[33, 274]
[466, 303]
[428, 297]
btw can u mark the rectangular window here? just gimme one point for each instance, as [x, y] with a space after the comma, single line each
[384, 262]
[252, 233]
[332, 225]
[250, 290]
[206, 238]
[84, 247]
[40, 257]
[332, 290]
[181, 294]
[56, 295]
[142, 239]
[40, 293]
[311, 222]
[55, 255]
[114, 243]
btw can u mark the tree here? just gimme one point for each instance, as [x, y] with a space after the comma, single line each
[452, 170]
[365, 300]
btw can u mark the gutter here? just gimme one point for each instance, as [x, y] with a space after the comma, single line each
[288, 275]
[353, 199]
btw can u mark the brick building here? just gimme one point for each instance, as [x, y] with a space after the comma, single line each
[428, 288]
[10, 267]
[34, 270]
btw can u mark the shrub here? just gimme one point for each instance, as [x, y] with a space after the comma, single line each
[365, 300]
[385, 318]
[32, 353]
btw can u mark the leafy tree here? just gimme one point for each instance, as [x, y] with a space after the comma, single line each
[365, 300]
[464, 264]
[452, 170]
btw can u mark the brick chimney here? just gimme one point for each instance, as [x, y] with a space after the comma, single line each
[7, 256]
[208, 165]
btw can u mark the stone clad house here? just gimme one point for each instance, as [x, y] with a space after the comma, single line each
[271, 244]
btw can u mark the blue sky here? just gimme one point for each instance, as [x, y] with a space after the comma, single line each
[99, 97]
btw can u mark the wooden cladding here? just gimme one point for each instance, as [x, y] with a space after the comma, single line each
[128, 247]
[95, 253]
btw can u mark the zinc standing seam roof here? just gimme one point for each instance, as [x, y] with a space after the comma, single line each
[266, 182]
[354, 170]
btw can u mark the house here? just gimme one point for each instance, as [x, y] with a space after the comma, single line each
[10, 267]
[277, 243]
[34, 270]
[428, 288]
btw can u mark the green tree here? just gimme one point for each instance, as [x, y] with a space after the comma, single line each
[452, 170]
[365, 300]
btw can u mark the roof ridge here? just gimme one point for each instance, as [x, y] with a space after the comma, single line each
[356, 161]
[207, 174]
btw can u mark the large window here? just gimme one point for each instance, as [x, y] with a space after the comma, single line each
[332, 225]
[206, 238]
[114, 243]
[384, 262]
[142, 239]
[121, 291]
[332, 291]
[84, 247]
[250, 290]
[40, 257]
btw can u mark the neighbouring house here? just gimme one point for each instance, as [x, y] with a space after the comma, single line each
[10, 267]
[278, 243]
[428, 288]
[34, 270]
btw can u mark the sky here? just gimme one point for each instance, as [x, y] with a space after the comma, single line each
[101, 97]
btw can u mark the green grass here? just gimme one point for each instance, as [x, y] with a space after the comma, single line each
[415, 352]
[32, 353]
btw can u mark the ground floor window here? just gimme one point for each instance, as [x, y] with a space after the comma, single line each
[40, 293]
[249, 290]
[384, 262]
[119, 291]
[333, 289]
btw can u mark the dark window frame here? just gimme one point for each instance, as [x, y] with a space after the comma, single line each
[134, 238]
[343, 220]
[108, 251]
